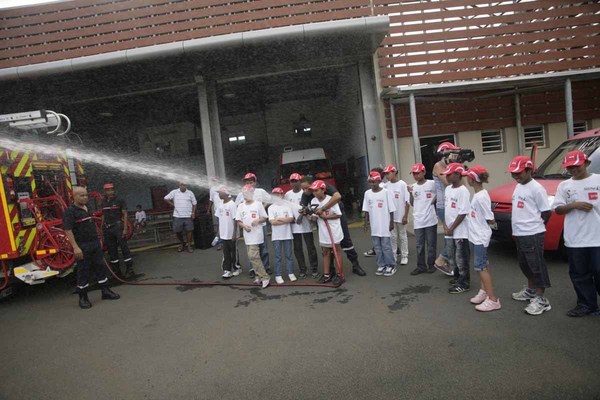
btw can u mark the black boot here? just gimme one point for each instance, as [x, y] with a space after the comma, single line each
[129, 270]
[108, 294]
[84, 302]
[356, 269]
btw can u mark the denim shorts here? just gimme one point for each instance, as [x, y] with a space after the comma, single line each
[481, 259]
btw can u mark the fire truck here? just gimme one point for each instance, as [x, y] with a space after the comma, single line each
[35, 190]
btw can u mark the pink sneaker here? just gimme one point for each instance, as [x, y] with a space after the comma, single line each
[479, 297]
[489, 305]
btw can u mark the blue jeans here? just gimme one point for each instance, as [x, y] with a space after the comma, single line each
[286, 245]
[459, 253]
[264, 249]
[584, 270]
[426, 237]
[384, 255]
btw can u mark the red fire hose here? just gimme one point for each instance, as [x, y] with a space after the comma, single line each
[5, 272]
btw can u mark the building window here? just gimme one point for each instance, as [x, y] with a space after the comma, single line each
[492, 141]
[534, 135]
[579, 126]
[237, 139]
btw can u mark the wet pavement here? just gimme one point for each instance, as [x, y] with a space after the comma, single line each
[400, 337]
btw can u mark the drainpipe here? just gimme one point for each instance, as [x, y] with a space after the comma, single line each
[414, 128]
[569, 108]
[394, 133]
[520, 140]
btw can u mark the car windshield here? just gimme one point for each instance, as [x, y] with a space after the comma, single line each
[552, 168]
[320, 169]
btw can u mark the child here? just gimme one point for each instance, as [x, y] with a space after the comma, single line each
[281, 217]
[530, 212]
[456, 208]
[422, 198]
[577, 199]
[225, 212]
[378, 206]
[332, 215]
[479, 220]
[250, 215]
[401, 198]
[140, 219]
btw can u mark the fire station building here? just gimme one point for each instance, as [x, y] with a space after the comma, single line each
[220, 87]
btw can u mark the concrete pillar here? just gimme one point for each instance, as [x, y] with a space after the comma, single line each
[215, 126]
[520, 138]
[394, 134]
[207, 142]
[569, 108]
[415, 128]
[370, 108]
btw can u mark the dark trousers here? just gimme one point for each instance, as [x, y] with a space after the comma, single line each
[530, 252]
[346, 242]
[113, 238]
[459, 254]
[93, 258]
[584, 270]
[426, 237]
[229, 255]
[310, 247]
[264, 249]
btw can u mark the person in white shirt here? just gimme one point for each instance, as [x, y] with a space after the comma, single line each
[184, 213]
[228, 231]
[250, 215]
[214, 201]
[422, 198]
[140, 219]
[264, 198]
[332, 216]
[579, 200]
[479, 220]
[457, 206]
[399, 191]
[281, 218]
[378, 206]
[530, 213]
[302, 230]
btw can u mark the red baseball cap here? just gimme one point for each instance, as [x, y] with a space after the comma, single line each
[445, 146]
[108, 186]
[475, 172]
[452, 168]
[417, 168]
[277, 190]
[295, 177]
[318, 184]
[374, 176]
[519, 163]
[390, 168]
[248, 188]
[249, 175]
[574, 158]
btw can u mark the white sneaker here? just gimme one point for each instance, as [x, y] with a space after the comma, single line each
[236, 271]
[538, 305]
[292, 277]
[403, 260]
[390, 270]
[279, 280]
[227, 275]
[524, 295]
[215, 241]
[257, 281]
[380, 271]
[265, 283]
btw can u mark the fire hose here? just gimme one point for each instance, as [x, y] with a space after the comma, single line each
[5, 273]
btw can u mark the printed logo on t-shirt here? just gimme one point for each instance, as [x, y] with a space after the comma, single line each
[380, 204]
[593, 195]
[397, 195]
[428, 195]
[453, 205]
[473, 215]
[253, 215]
[520, 204]
[227, 213]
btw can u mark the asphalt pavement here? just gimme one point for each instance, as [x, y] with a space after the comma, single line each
[399, 337]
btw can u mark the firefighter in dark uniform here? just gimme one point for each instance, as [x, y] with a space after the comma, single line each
[114, 213]
[81, 231]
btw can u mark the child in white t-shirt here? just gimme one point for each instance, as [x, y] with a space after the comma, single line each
[225, 212]
[456, 207]
[281, 217]
[332, 216]
[479, 220]
[422, 198]
[378, 206]
[140, 219]
[399, 191]
[530, 212]
[250, 215]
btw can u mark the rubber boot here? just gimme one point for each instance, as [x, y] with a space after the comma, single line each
[84, 302]
[129, 274]
[356, 269]
[108, 294]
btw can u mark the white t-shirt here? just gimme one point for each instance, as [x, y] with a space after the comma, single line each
[304, 226]
[183, 201]
[140, 216]
[280, 232]
[260, 195]
[226, 213]
[216, 200]
[582, 229]
[401, 198]
[456, 202]
[423, 209]
[481, 211]
[248, 213]
[379, 206]
[334, 224]
[528, 202]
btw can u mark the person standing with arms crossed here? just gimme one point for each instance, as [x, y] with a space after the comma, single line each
[184, 213]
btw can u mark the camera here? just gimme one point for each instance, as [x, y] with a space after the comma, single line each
[462, 155]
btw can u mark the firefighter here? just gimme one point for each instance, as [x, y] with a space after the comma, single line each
[114, 229]
[80, 228]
